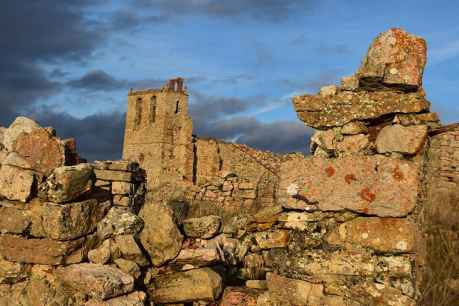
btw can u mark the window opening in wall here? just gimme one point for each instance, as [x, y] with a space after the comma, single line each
[177, 107]
[153, 109]
[138, 112]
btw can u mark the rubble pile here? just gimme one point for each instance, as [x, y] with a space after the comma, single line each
[64, 241]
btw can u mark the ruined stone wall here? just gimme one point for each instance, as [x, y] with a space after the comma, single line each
[67, 232]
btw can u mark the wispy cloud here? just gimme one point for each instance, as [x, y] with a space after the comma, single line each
[445, 52]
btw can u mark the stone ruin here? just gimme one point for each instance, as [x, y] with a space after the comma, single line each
[183, 220]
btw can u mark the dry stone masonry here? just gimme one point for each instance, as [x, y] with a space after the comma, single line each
[183, 220]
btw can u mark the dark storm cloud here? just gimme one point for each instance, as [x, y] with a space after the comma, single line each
[266, 9]
[210, 119]
[98, 136]
[96, 80]
[33, 33]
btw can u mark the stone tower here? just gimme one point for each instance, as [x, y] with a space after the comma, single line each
[158, 133]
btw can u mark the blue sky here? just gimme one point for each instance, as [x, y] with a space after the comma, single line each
[243, 61]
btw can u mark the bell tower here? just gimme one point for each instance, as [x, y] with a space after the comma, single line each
[158, 133]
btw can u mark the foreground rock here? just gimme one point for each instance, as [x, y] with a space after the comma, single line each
[68, 183]
[137, 298]
[380, 234]
[68, 221]
[119, 221]
[160, 236]
[97, 281]
[286, 291]
[41, 251]
[395, 58]
[401, 139]
[234, 296]
[204, 227]
[346, 106]
[371, 185]
[16, 184]
[200, 284]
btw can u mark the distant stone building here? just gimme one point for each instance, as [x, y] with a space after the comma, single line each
[158, 132]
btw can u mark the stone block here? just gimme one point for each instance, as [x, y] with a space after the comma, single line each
[41, 251]
[15, 218]
[346, 106]
[199, 284]
[97, 281]
[117, 165]
[272, 239]
[294, 292]
[66, 221]
[395, 58]
[16, 184]
[401, 139]
[67, 183]
[119, 221]
[121, 200]
[137, 298]
[112, 175]
[199, 257]
[373, 185]
[204, 227]
[392, 235]
[237, 296]
[122, 188]
[160, 236]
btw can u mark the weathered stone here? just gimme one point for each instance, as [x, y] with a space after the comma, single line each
[121, 188]
[117, 165]
[299, 220]
[15, 160]
[294, 292]
[374, 185]
[272, 239]
[2, 133]
[256, 284]
[121, 200]
[160, 236]
[20, 125]
[236, 296]
[430, 119]
[346, 106]
[199, 257]
[119, 221]
[97, 281]
[66, 221]
[380, 295]
[41, 251]
[102, 254]
[67, 183]
[329, 90]
[16, 184]
[394, 58]
[112, 175]
[137, 298]
[397, 266]
[126, 247]
[254, 265]
[12, 272]
[353, 144]
[349, 82]
[354, 128]
[193, 285]
[14, 219]
[128, 267]
[401, 139]
[380, 234]
[268, 214]
[204, 227]
[43, 151]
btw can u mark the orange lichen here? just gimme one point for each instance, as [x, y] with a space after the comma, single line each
[330, 171]
[367, 195]
[349, 178]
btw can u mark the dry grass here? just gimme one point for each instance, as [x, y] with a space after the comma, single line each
[440, 286]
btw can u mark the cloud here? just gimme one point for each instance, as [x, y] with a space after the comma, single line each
[96, 80]
[98, 136]
[35, 33]
[225, 118]
[274, 10]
